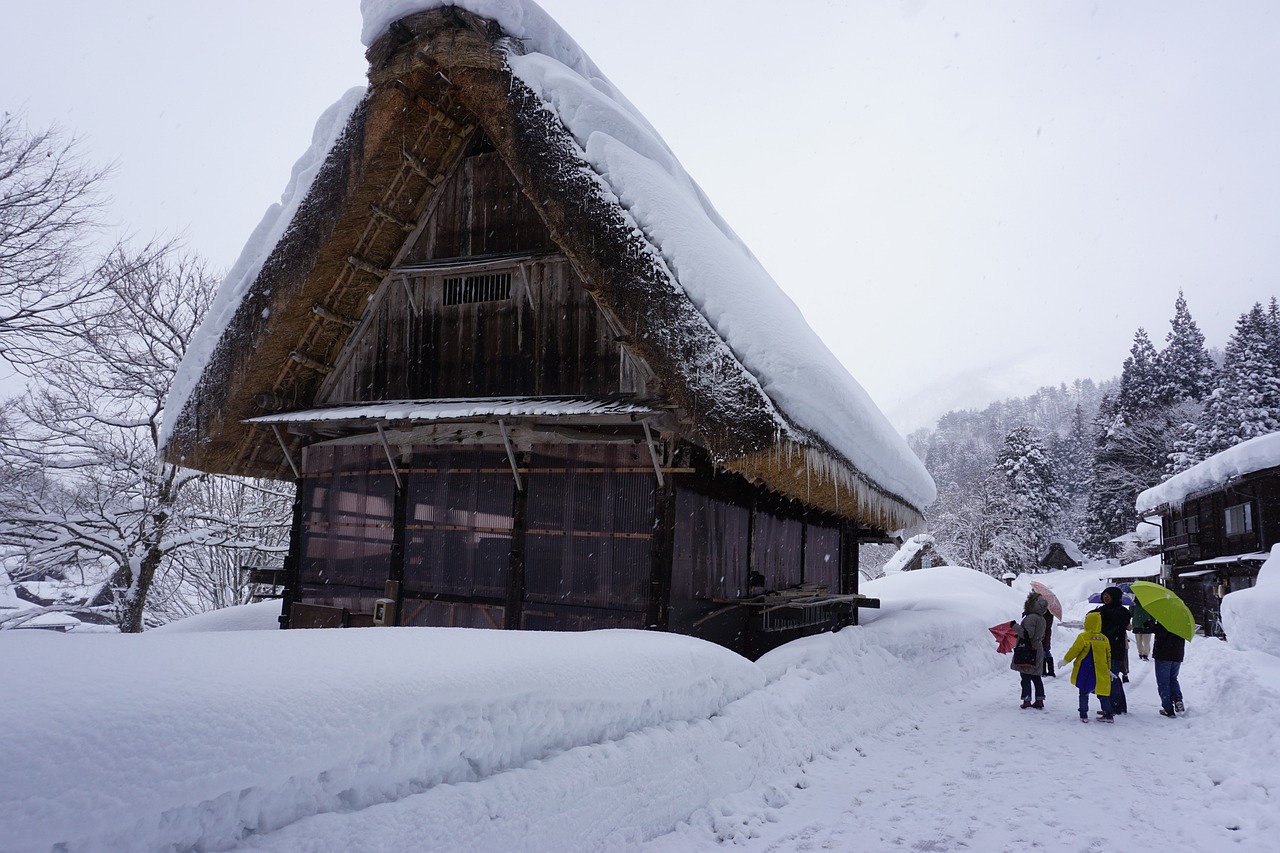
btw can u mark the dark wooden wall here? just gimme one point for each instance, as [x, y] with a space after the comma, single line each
[538, 332]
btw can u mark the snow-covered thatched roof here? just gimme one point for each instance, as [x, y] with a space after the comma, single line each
[908, 552]
[760, 390]
[1248, 457]
[1071, 549]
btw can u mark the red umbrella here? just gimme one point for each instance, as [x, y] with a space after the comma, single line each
[1055, 606]
[1006, 634]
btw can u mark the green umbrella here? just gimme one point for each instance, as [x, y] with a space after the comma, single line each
[1165, 607]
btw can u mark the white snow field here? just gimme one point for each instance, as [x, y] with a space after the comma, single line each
[903, 733]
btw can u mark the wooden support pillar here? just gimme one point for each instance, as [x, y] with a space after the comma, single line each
[293, 560]
[515, 566]
[662, 554]
[395, 571]
[849, 560]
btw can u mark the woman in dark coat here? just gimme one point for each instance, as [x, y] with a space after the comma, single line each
[1115, 624]
[1032, 629]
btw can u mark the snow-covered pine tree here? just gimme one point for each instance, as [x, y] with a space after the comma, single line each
[1140, 380]
[1033, 495]
[1072, 461]
[1187, 371]
[1246, 403]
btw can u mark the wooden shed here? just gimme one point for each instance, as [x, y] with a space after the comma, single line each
[510, 396]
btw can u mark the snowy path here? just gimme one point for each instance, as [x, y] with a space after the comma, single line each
[972, 771]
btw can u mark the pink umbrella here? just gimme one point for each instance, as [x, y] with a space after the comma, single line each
[1055, 606]
[1006, 634]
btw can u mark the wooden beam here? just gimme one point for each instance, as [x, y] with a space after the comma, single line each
[364, 266]
[511, 455]
[403, 224]
[275, 428]
[429, 108]
[422, 167]
[307, 361]
[333, 317]
[386, 448]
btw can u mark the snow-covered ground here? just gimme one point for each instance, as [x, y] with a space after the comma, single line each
[901, 733]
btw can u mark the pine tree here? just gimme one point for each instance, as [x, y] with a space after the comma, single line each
[1186, 369]
[1246, 403]
[1072, 462]
[1141, 379]
[1032, 498]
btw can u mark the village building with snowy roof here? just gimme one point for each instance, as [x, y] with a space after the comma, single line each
[1218, 520]
[918, 552]
[1060, 554]
[523, 373]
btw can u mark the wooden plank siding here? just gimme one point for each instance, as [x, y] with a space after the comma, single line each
[547, 338]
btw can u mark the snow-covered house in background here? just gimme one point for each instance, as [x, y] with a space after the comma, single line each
[523, 373]
[1061, 554]
[1219, 520]
[918, 552]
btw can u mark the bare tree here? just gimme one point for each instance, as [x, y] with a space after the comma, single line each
[90, 427]
[50, 211]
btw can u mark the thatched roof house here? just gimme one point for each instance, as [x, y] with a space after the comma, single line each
[491, 236]
[1061, 554]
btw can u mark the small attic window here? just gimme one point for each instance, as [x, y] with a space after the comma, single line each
[466, 289]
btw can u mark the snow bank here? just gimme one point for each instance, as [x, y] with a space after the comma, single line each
[725, 774]
[370, 739]
[259, 616]
[1251, 617]
[1256, 454]
[180, 741]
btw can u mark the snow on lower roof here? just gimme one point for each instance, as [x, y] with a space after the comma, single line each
[457, 409]
[1256, 454]
[1147, 567]
[1256, 556]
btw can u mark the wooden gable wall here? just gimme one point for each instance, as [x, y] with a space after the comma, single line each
[482, 305]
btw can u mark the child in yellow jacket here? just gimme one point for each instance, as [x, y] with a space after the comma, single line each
[1092, 672]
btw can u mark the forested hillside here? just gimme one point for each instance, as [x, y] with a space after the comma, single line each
[1069, 461]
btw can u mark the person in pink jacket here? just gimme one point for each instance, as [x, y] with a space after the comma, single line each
[1091, 653]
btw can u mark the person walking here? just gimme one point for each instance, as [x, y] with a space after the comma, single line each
[1048, 643]
[1169, 652]
[1031, 632]
[1091, 653]
[1115, 625]
[1142, 623]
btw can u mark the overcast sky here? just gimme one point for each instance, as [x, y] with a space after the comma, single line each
[966, 198]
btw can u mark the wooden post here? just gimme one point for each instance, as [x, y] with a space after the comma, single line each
[662, 554]
[515, 566]
[849, 560]
[395, 570]
[293, 560]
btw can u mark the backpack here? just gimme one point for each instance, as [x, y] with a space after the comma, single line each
[1023, 654]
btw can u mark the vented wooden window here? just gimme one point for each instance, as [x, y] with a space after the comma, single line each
[482, 287]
